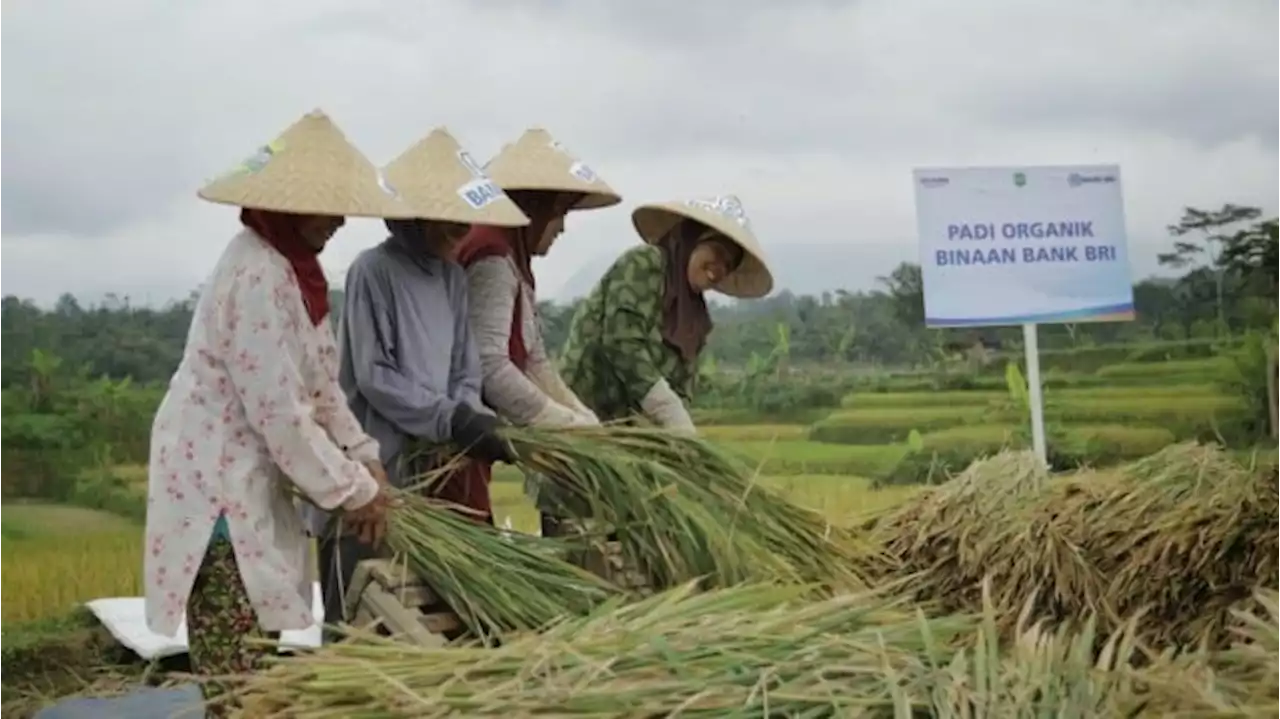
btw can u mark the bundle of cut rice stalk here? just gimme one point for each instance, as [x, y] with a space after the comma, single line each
[1182, 537]
[494, 583]
[746, 651]
[764, 651]
[683, 509]
[940, 536]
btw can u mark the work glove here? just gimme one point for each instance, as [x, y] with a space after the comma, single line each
[554, 414]
[665, 407]
[477, 434]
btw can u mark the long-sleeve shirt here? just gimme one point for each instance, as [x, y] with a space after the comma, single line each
[615, 354]
[518, 394]
[253, 407]
[407, 356]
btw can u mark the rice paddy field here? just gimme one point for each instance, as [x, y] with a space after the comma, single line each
[1024, 580]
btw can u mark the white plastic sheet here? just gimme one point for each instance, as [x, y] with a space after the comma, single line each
[125, 618]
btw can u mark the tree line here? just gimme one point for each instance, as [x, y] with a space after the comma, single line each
[1227, 256]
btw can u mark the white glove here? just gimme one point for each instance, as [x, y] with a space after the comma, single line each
[664, 406]
[555, 414]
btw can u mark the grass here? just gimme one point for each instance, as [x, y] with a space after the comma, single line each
[1179, 368]
[878, 425]
[56, 558]
[797, 457]
[953, 398]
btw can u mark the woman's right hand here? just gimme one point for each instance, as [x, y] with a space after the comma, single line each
[369, 522]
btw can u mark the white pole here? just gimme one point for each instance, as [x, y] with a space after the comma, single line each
[1031, 341]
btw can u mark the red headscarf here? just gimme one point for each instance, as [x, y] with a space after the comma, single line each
[283, 231]
[518, 243]
[484, 241]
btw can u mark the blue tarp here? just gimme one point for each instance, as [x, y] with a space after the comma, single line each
[146, 703]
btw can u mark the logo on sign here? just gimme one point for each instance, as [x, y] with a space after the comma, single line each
[727, 206]
[1020, 179]
[1076, 179]
[934, 181]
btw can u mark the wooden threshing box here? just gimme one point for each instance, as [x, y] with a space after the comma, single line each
[604, 557]
[385, 593]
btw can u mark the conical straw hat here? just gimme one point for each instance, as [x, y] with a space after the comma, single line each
[725, 215]
[310, 169]
[441, 181]
[537, 162]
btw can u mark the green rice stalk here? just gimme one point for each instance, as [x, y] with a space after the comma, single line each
[684, 509]
[495, 583]
[769, 650]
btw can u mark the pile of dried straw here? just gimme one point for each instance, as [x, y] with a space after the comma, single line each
[1179, 538]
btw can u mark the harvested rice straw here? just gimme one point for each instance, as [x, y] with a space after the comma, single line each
[684, 509]
[746, 651]
[942, 529]
[1182, 538]
[494, 583]
[762, 651]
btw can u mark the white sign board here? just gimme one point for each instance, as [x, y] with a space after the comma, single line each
[1021, 245]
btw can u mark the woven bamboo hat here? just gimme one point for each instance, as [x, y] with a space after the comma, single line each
[441, 181]
[725, 216]
[310, 169]
[537, 162]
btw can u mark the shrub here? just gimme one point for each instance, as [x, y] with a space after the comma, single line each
[950, 451]
[1244, 376]
[120, 489]
[1091, 359]
[887, 424]
[1098, 445]
[945, 452]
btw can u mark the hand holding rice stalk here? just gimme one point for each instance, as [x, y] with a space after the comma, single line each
[494, 583]
[684, 509]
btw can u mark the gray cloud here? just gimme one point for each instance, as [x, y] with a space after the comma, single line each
[813, 111]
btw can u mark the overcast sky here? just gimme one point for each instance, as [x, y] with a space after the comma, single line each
[813, 111]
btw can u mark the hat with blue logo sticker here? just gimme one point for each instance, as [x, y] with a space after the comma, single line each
[537, 162]
[441, 181]
[310, 169]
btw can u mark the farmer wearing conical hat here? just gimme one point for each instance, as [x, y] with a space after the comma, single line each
[409, 363]
[634, 342]
[255, 405]
[521, 382]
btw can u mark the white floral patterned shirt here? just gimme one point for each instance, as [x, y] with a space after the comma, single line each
[253, 407]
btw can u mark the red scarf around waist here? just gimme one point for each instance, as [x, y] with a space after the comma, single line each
[484, 242]
[469, 487]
